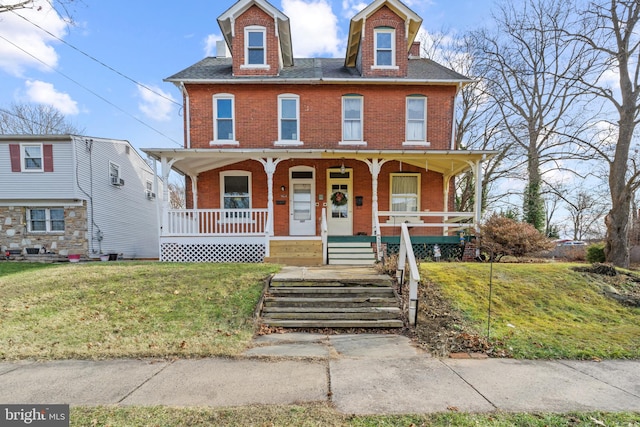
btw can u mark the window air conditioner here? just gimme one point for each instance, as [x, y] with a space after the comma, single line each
[150, 194]
[117, 181]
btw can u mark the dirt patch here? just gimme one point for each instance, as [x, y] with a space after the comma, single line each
[622, 286]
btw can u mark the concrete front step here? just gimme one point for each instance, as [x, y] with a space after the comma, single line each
[336, 323]
[351, 261]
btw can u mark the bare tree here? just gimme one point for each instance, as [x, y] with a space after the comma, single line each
[177, 198]
[611, 29]
[477, 120]
[532, 74]
[35, 119]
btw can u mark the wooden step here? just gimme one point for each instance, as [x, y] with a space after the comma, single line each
[349, 291]
[329, 302]
[390, 323]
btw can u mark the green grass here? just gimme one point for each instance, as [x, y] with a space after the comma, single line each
[323, 415]
[542, 310]
[115, 310]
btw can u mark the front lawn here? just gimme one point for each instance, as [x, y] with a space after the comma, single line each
[127, 309]
[544, 310]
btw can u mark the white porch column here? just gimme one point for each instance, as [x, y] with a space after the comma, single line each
[269, 165]
[478, 212]
[446, 180]
[166, 170]
[375, 166]
[194, 190]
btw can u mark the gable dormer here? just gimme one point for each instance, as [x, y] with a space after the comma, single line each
[380, 39]
[258, 36]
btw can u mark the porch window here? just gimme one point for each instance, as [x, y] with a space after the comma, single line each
[416, 120]
[32, 157]
[352, 119]
[405, 192]
[289, 123]
[236, 190]
[223, 112]
[255, 45]
[45, 220]
[385, 41]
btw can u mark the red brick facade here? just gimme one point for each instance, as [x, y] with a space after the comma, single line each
[384, 17]
[255, 16]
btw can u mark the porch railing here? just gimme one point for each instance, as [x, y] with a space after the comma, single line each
[216, 222]
[324, 233]
[447, 219]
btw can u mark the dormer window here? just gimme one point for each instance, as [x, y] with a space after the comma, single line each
[385, 42]
[255, 46]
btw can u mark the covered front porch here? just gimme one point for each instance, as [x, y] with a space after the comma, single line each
[243, 205]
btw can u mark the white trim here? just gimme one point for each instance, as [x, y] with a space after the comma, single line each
[255, 29]
[296, 140]
[392, 32]
[23, 157]
[416, 143]
[353, 141]
[224, 174]
[422, 141]
[286, 143]
[224, 97]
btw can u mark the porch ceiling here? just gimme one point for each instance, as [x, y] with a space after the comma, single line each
[197, 160]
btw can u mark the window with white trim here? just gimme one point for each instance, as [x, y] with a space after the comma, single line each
[255, 44]
[235, 190]
[288, 119]
[405, 192]
[385, 42]
[32, 160]
[114, 174]
[224, 123]
[416, 119]
[352, 118]
[45, 220]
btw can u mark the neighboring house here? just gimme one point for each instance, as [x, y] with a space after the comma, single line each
[281, 150]
[67, 194]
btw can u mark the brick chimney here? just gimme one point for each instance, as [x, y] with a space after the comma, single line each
[414, 52]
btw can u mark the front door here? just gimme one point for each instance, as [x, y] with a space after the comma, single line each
[340, 202]
[302, 212]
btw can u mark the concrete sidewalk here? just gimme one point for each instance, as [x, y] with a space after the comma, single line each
[359, 374]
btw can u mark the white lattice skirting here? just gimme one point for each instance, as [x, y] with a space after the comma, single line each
[212, 252]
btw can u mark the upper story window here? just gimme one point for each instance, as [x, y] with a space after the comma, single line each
[223, 113]
[289, 119]
[255, 46]
[385, 42]
[32, 158]
[352, 119]
[114, 174]
[416, 126]
[45, 220]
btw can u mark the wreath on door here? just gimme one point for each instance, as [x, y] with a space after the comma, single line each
[339, 198]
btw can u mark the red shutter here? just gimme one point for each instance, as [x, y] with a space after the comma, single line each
[14, 153]
[47, 154]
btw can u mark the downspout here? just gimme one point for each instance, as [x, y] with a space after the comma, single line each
[453, 121]
[187, 114]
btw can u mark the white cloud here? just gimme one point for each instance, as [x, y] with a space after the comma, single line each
[44, 93]
[27, 36]
[156, 105]
[314, 28]
[350, 8]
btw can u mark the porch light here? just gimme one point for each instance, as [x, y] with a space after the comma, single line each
[283, 188]
[342, 168]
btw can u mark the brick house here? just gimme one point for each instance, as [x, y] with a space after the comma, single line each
[287, 157]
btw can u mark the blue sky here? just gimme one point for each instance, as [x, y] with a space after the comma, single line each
[147, 41]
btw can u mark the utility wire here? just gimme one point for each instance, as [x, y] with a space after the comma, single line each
[92, 92]
[99, 62]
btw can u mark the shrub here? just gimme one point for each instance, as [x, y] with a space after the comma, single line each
[595, 253]
[501, 236]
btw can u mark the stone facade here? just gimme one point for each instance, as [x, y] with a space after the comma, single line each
[14, 234]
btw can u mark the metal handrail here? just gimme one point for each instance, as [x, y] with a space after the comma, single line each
[378, 233]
